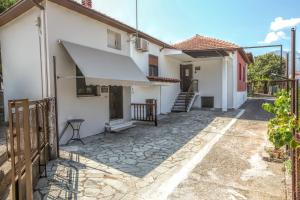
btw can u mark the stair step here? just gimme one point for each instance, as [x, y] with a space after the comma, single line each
[179, 104]
[123, 128]
[178, 110]
[117, 127]
[182, 99]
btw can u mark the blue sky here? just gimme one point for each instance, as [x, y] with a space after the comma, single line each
[245, 22]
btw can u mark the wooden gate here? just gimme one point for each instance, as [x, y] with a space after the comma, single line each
[31, 125]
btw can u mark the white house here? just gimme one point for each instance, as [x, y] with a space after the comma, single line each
[96, 67]
[215, 69]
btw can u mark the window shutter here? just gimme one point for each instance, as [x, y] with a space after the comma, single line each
[153, 60]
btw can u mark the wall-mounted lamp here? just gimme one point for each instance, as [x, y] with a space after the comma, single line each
[198, 68]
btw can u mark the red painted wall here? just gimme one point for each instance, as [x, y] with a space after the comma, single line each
[241, 73]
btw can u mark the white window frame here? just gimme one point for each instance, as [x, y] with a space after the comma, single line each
[114, 39]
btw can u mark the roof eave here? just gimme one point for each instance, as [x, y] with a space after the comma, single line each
[24, 5]
[16, 10]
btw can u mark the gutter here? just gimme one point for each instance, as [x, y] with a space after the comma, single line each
[38, 5]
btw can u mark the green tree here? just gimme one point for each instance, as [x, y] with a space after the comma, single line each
[266, 67]
[4, 4]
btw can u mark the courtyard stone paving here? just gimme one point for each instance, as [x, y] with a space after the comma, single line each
[130, 164]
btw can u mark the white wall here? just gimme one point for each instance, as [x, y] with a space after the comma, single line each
[167, 67]
[70, 26]
[230, 84]
[140, 94]
[210, 80]
[21, 58]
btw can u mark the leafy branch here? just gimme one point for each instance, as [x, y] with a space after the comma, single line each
[280, 128]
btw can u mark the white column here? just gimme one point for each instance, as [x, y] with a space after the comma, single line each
[224, 84]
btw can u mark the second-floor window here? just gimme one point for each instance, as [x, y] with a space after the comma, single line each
[153, 65]
[113, 39]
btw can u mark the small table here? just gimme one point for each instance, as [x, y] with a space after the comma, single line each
[75, 125]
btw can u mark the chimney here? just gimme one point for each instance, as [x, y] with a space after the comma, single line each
[87, 3]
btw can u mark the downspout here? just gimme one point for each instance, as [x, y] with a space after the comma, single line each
[44, 36]
[43, 42]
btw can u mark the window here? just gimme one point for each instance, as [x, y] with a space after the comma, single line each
[113, 39]
[81, 88]
[244, 74]
[153, 65]
[240, 71]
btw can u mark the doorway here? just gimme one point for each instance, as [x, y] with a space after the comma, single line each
[186, 76]
[116, 102]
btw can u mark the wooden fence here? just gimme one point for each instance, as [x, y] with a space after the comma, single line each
[32, 136]
[146, 112]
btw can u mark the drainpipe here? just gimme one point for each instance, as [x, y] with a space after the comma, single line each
[43, 48]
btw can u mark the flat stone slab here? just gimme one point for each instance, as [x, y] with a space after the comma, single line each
[135, 164]
[130, 163]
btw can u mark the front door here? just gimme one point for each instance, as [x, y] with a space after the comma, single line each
[186, 76]
[116, 102]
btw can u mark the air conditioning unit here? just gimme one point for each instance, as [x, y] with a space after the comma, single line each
[142, 45]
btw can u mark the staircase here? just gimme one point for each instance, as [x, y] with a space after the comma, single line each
[184, 102]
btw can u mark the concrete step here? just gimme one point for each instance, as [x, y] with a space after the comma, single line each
[183, 98]
[179, 104]
[178, 110]
[191, 93]
[119, 126]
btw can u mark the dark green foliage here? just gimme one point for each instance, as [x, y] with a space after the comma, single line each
[4, 4]
[266, 67]
[280, 128]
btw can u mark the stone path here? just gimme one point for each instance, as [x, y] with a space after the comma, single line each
[133, 164]
[234, 169]
[188, 156]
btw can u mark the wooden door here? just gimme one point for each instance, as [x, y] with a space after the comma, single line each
[186, 76]
[116, 102]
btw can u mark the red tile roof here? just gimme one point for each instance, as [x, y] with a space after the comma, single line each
[204, 43]
[163, 79]
[199, 42]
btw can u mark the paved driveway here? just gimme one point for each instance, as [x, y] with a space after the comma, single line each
[234, 168]
[196, 155]
[131, 163]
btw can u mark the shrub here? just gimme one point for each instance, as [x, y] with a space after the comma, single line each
[280, 127]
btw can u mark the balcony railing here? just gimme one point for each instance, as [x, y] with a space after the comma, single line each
[146, 112]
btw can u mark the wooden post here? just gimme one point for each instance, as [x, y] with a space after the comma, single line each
[12, 150]
[27, 149]
[19, 162]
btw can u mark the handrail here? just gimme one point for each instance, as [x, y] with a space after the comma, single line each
[192, 89]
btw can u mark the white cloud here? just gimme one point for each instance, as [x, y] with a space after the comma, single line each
[279, 23]
[273, 37]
